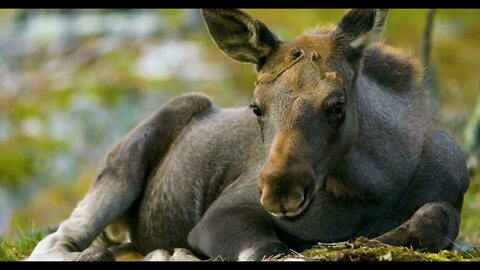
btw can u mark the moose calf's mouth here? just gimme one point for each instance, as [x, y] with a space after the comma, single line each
[302, 207]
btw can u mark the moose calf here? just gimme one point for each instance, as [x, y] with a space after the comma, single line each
[337, 143]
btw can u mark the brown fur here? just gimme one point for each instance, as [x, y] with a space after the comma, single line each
[404, 70]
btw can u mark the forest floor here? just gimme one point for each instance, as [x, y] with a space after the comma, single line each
[361, 249]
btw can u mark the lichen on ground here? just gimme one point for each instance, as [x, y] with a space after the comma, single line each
[363, 249]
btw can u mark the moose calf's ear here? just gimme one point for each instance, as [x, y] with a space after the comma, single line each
[360, 27]
[239, 35]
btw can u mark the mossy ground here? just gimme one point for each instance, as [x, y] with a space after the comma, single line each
[361, 249]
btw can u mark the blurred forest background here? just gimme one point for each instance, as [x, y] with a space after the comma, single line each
[72, 82]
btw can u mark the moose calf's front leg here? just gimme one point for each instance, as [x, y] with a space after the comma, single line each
[120, 181]
[241, 233]
[434, 226]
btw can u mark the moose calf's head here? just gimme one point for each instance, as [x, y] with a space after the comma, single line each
[304, 97]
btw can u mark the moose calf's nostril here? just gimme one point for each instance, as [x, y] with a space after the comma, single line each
[295, 201]
[288, 203]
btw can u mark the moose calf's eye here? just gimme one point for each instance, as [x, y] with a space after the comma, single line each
[338, 109]
[336, 114]
[256, 110]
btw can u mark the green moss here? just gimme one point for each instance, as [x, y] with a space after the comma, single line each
[362, 249]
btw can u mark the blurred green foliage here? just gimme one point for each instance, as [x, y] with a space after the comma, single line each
[73, 82]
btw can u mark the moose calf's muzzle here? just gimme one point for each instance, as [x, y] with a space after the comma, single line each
[286, 191]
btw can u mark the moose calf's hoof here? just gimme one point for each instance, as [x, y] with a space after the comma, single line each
[179, 254]
[158, 255]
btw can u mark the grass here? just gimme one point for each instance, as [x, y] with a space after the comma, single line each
[19, 249]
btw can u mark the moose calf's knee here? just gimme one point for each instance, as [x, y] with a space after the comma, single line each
[435, 226]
